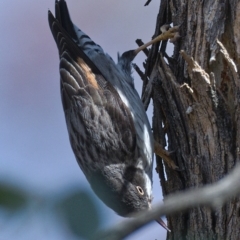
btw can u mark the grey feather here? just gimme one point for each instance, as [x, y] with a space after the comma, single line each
[108, 128]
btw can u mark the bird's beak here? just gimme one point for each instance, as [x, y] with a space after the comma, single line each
[162, 223]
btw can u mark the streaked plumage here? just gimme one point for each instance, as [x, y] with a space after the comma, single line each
[108, 128]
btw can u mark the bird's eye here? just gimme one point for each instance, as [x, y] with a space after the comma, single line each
[140, 190]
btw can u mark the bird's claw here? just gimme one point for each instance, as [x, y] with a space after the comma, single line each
[165, 155]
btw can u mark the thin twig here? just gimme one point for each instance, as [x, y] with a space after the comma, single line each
[139, 42]
[212, 195]
[148, 1]
[138, 70]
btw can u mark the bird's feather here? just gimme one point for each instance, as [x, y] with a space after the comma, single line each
[95, 113]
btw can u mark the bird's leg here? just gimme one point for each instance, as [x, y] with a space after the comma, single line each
[170, 33]
[165, 155]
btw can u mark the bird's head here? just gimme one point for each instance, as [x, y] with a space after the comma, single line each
[125, 190]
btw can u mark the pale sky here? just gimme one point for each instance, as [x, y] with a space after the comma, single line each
[35, 150]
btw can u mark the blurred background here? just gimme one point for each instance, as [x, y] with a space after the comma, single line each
[43, 193]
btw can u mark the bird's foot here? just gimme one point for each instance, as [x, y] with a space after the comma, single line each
[167, 33]
[165, 155]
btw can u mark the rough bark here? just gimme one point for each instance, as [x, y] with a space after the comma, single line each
[196, 96]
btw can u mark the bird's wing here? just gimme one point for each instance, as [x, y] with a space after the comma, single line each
[98, 121]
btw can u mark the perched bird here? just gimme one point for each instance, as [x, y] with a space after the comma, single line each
[108, 128]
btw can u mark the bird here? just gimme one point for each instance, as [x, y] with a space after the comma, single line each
[108, 128]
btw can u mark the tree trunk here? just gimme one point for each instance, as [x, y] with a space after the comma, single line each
[196, 96]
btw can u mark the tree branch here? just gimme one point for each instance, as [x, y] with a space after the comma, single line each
[213, 195]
